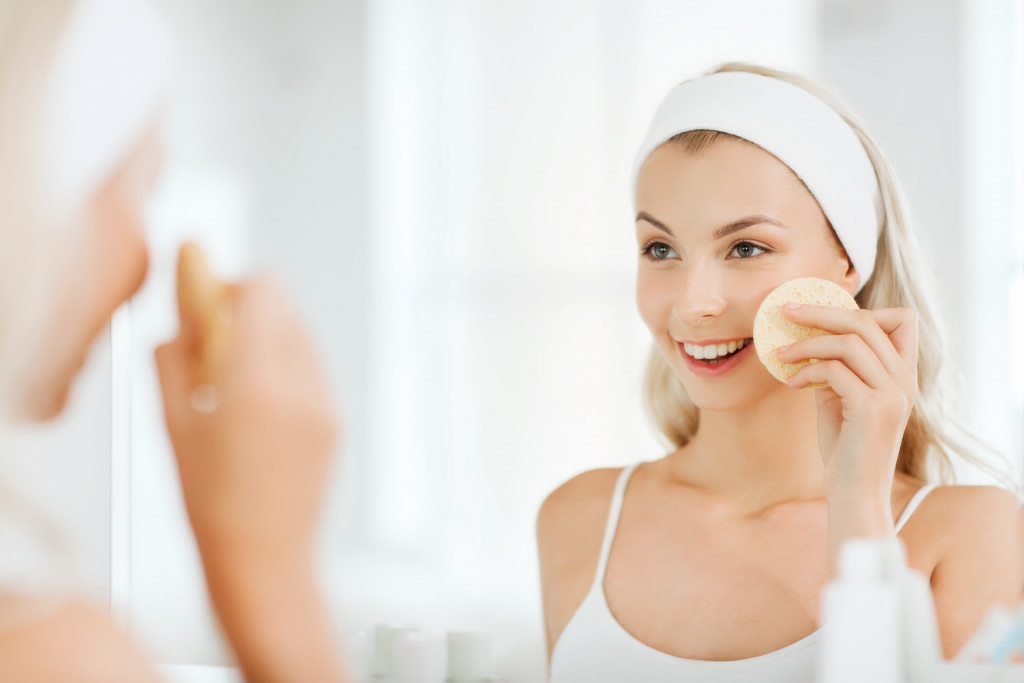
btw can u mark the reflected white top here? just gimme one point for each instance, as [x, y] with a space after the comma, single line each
[595, 648]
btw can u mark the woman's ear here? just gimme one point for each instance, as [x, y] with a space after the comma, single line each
[851, 281]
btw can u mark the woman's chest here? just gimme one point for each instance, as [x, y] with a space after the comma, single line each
[718, 590]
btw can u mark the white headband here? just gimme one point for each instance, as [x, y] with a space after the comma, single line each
[798, 129]
[111, 73]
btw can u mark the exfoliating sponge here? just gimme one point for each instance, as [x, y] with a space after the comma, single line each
[772, 329]
[204, 305]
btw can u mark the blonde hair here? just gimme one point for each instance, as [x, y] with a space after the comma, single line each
[900, 279]
[30, 31]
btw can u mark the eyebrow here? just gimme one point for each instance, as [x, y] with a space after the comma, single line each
[720, 231]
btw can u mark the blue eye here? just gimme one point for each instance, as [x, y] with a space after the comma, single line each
[745, 250]
[658, 251]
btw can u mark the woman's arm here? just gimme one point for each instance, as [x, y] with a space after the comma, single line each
[275, 618]
[980, 559]
[253, 473]
[869, 364]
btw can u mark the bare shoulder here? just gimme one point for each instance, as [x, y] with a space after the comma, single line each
[67, 641]
[954, 519]
[971, 510]
[972, 536]
[570, 528]
[583, 496]
[980, 520]
[571, 520]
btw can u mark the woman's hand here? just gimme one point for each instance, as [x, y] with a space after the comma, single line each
[253, 470]
[870, 366]
[252, 473]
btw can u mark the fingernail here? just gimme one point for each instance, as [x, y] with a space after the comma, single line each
[792, 305]
[781, 349]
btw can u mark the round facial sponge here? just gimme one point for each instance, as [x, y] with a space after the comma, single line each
[203, 302]
[772, 329]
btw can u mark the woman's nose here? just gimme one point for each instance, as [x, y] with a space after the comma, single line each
[700, 299]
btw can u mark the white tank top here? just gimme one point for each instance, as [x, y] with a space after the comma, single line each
[595, 648]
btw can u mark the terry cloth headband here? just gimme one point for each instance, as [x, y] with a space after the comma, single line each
[798, 129]
[111, 73]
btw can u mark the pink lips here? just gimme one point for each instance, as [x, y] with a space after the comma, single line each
[704, 369]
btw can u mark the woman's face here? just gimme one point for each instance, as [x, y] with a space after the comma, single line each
[108, 267]
[717, 231]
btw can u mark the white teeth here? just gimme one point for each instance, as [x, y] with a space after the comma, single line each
[713, 351]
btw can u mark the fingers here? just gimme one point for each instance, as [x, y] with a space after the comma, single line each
[170, 359]
[834, 374]
[892, 407]
[267, 347]
[174, 369]
[850, 349]
[889, 334]
[900, 324]
[261, 306]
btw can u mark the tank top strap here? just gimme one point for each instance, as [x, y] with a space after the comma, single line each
[613, 521]
[915, 500]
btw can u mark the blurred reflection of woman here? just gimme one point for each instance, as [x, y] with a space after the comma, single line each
[82, 86]
[706, 565]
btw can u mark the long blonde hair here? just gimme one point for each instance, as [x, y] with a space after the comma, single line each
[30, 31]
[900, 279]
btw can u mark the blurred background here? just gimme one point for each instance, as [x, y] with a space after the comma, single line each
[442, 185]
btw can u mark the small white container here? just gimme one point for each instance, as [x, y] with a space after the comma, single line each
[419, 658]
[861, 617]
[469, 656]
[384, 638]
[921, 647]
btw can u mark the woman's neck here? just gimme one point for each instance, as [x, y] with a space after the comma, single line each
[757, 456]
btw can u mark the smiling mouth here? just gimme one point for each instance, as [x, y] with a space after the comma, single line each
[712, 354]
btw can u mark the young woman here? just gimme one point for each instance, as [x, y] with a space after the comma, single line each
[707, 565]
[82, 87]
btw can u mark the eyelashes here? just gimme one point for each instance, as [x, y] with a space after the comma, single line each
[652, 249]
[744, 250]
[748, 245]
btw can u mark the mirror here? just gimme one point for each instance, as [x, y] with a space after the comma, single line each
[443, 187]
